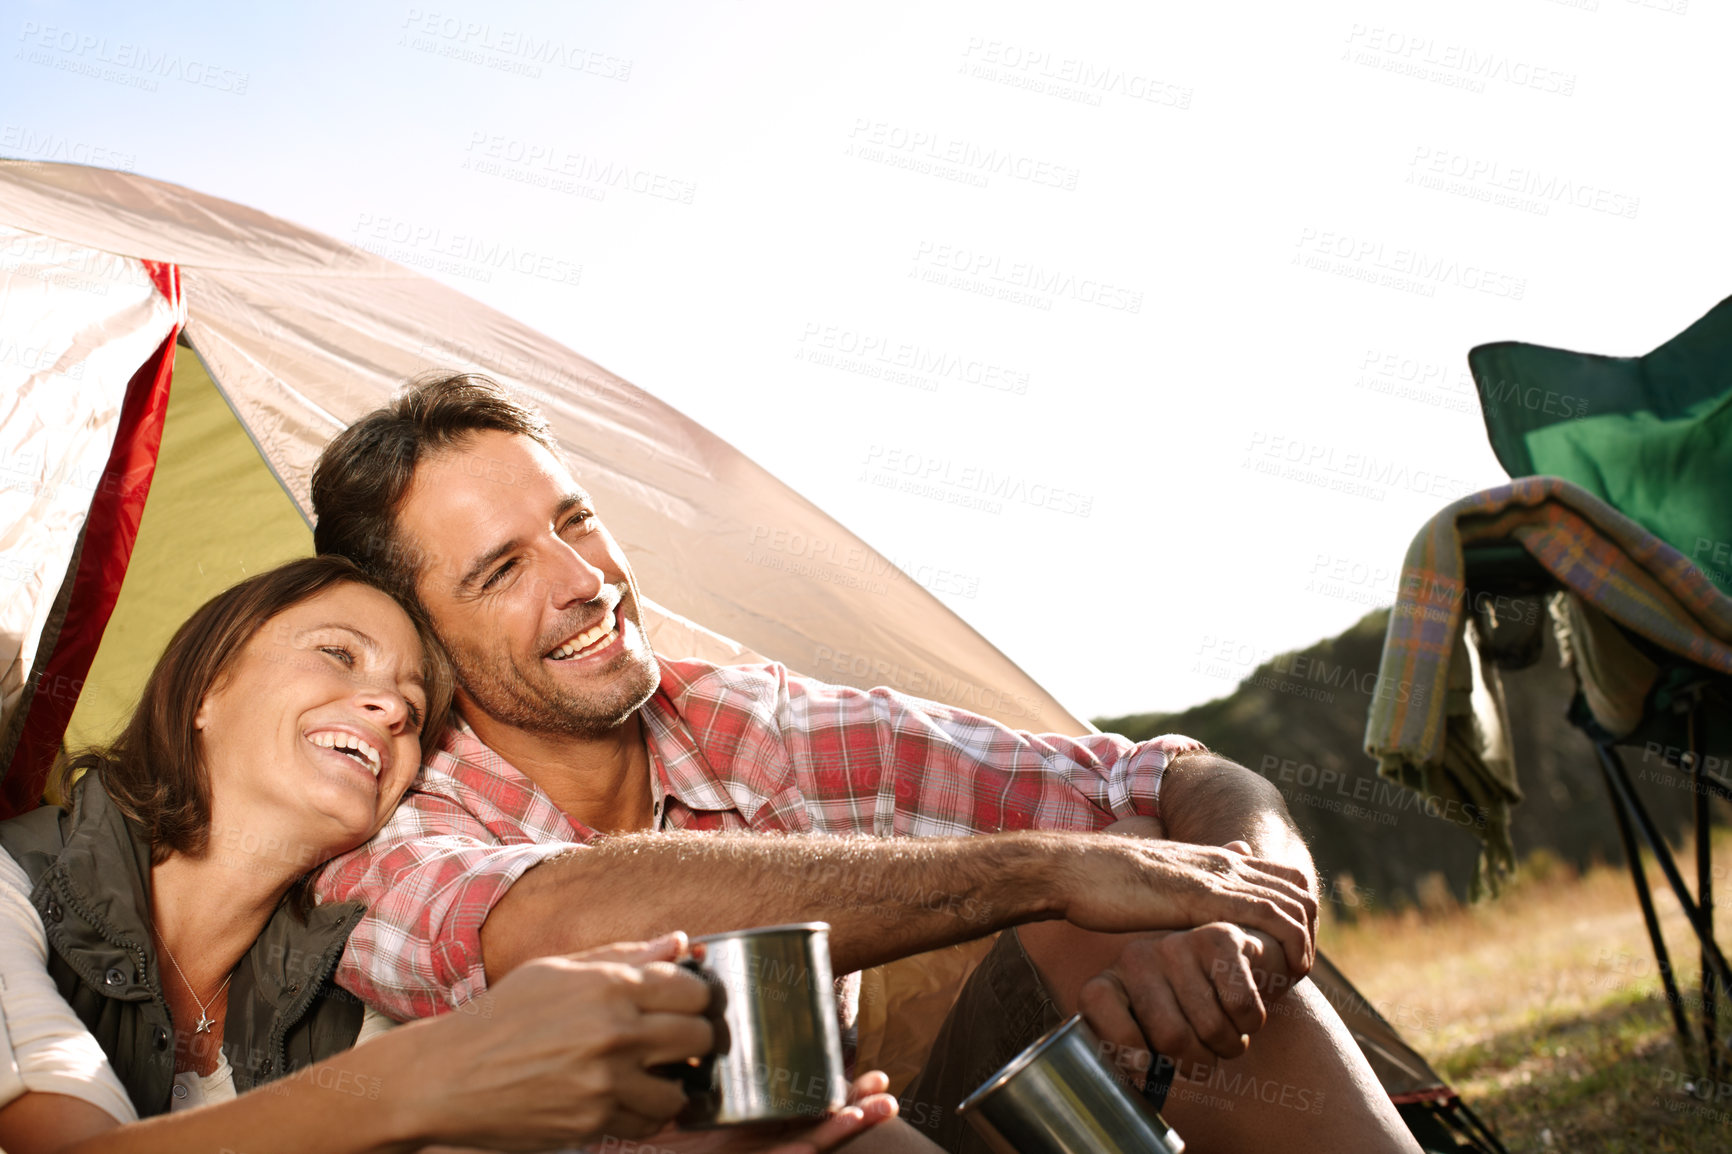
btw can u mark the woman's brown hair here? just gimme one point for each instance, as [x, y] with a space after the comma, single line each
[155, 770]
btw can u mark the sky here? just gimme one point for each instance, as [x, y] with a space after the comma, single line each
[1135, 331]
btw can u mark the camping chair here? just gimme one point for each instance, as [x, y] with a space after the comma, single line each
[1652, 437]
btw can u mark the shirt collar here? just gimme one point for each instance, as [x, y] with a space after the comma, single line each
[678, 770]
[679, 767]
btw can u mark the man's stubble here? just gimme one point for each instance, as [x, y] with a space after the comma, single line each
[534, 703]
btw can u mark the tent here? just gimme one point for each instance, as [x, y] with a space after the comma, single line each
[171, 365]
[285, 337]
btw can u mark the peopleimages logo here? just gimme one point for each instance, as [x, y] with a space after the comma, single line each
[837, 346]
[505, 48]
[1391, 796]
[1460, 65]
[935, 686]
[881, 140]
[1410, 265]
[121, 61]
[852, 565]
[946, 474]
[36, 359]
[461, 254]
[546, 164]
[1068, 77]
[986, 272]
[22, 141]
[1535, 399]
[1348, 471]
[1226, 657]
[1709, 552]
[1519, 186]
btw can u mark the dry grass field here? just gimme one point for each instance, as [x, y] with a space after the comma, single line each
[1545, 1009]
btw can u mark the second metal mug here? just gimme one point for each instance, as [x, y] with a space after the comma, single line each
[1059, 1097]
[778, 1050]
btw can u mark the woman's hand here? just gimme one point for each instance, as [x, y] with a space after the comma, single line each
[557, 1052]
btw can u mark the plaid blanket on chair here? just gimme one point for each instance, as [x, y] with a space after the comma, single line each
[1446, 738]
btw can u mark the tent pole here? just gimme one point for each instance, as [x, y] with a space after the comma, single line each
[1646, 900]
[1478, 1124]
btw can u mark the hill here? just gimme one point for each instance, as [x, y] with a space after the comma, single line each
[1299, 720]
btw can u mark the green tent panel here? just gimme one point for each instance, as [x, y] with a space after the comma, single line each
[216, 513]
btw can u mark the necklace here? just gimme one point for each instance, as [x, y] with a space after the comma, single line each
[205, 1021]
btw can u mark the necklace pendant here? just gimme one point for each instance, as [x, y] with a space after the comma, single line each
[204, 1024]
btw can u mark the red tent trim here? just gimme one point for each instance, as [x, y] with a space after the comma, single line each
[110, 528]
[1441, 1095]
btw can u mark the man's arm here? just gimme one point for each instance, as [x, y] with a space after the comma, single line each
[450, 904]
[1209, 800]
[885, 898]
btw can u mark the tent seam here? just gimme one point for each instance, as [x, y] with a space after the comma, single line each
[245, 428]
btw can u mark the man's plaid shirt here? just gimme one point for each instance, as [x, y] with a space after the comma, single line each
[731, 748]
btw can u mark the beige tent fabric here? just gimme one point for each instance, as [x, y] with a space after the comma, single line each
[304, 334]
[78, 324]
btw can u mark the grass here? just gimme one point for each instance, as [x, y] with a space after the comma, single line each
[1544, 1007]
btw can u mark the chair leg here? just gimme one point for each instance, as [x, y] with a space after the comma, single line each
[1705, 898]
[1646, 899]
[1620, 782]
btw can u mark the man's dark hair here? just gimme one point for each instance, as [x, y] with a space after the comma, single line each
[364, 474]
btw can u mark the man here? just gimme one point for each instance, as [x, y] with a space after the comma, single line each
[667, 774]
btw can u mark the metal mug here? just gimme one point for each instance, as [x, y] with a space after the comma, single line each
[778, 1053]
[1059, 1097]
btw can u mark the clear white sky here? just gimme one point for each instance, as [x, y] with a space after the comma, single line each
[1204, 273]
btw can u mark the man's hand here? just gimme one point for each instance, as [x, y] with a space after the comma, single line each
[1192, 995]
[1116, 884]
[1195, 994]
[1271, 973]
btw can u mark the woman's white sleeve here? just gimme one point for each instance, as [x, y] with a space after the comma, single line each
[43, 1045]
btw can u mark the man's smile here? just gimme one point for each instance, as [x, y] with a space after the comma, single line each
[591, 641]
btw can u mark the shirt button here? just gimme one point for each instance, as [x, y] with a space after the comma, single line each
[115, 976]
[159, 1038]
[55, 913]
[294, 988]
[180, 1091]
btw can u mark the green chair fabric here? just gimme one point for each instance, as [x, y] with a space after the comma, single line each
[1650, 435]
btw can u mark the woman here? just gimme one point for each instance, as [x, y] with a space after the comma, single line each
[160, 952]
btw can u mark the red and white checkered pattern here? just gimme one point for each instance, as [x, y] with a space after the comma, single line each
[732, 748]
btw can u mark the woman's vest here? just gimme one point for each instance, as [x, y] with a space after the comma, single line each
[89, 869]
